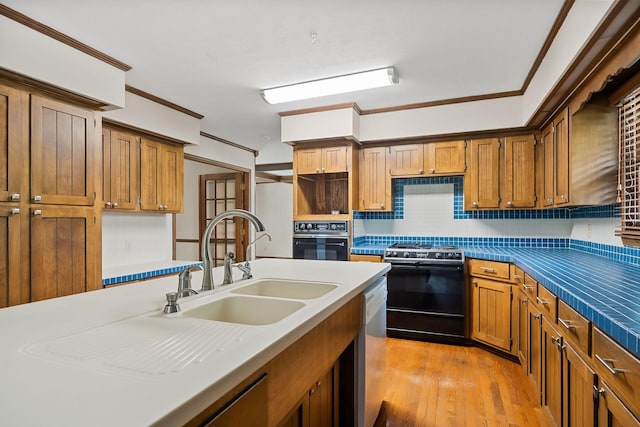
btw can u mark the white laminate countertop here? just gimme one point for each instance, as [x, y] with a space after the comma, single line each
[110, 357]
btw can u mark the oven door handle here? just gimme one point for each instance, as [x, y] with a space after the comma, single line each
[430, 267]
[341, 244]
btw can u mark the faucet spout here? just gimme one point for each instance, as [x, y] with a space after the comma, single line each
[207, 277]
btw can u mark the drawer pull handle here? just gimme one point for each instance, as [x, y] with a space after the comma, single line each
[607, 364]
[517, 276]
[15, 211]
[488, 269]
[37, 212]
[566, 323]
[541, 301]
[14, 197]
[37, 198]
[527, 287]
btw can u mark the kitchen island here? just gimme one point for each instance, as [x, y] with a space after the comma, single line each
[101, 358]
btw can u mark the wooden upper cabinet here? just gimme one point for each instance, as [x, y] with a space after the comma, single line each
[481, 187]
[406, 159]
[545, 168]
[518, 182]
[322, 160]
[444, 158]
[120, 169]
[13, 129]
[561, 158]
[162, 176]
[375, 182]
[63, 153]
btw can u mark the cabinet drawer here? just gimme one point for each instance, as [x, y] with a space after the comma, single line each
[530, 287]
[547, 302]
[493, 269]
[618, 368]
[574, 327]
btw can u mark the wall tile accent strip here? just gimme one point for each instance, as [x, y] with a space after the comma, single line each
[398, 184]
[146, 274]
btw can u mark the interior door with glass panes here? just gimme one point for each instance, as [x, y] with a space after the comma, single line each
[219, 193]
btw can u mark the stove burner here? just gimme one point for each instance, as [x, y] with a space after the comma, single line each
[410, 246]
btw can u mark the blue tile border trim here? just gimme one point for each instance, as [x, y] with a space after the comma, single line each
[146, 274]
[398, 184]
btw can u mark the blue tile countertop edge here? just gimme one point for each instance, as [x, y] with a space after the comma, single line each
[145, 271]
[604, 291]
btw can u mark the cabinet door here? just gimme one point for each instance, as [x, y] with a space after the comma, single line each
[13, 134]
[518, 182]
[491, 322]
[552, 370]
[63, 153]
[578, 382]
[172, 178]
[406, 159]
[120, 169]
[375, 184]
[150, 175]
[523, 329]
[561, 158]
[65, 251]
[546, 168]
[321, 402]
[249, 409]
[309, 160]
[14, 256]
[444, 158]
[534, 371]
[611, 411]
[334, 159]
[481, 187]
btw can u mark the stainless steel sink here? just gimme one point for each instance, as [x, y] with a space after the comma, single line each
[293, 289]
[245, 310]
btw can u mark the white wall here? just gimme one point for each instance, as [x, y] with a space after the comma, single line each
[187, 222]
[135, 238]
[597, 230]
[145, 114]
[274, 206]
[428, 211]
[40, 57]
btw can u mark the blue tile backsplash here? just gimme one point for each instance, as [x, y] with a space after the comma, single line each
[398, 185]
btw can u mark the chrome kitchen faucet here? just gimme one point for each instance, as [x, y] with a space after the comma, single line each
[207, 277]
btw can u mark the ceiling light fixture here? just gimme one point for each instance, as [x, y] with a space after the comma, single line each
[331, 86]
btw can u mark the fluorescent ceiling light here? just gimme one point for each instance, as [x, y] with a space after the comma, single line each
[331, 86]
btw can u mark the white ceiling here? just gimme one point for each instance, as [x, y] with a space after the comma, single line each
[214, 56]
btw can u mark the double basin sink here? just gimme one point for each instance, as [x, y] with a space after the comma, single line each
[262, 302]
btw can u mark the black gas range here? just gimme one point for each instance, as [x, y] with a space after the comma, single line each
[427, 298]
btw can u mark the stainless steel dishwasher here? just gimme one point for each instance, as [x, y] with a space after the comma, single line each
[372, 357]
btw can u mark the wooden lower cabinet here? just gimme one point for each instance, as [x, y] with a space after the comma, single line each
[551, 371]
[14, 255]
[534, 369]
[491, 313]
[611, 411]
[369, 258]
[318, 406]
[248, 409]
[65, 248]
[522, 310]
[310, 383]
[578, 382]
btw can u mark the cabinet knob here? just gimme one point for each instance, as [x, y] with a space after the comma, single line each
[564, 198]
[550, 201]
[432, 170]
[474, 204]
[37, 212]
[14, 197]
[107, 205]
[420, 171]
[318, 170]
[15, 211]
[381, 205]
[509, 204]
[115, 205]
[37, 198]
[323, 170]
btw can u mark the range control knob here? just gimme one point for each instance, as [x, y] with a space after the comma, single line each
[406, 254]
[333, 226]
[439, 255]
[309, 226]
[449, 255]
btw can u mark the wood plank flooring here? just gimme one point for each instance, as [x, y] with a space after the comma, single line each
[432, 384]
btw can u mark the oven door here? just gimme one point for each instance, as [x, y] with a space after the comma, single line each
[321, 248]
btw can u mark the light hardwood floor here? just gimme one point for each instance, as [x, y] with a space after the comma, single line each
[432, 384]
